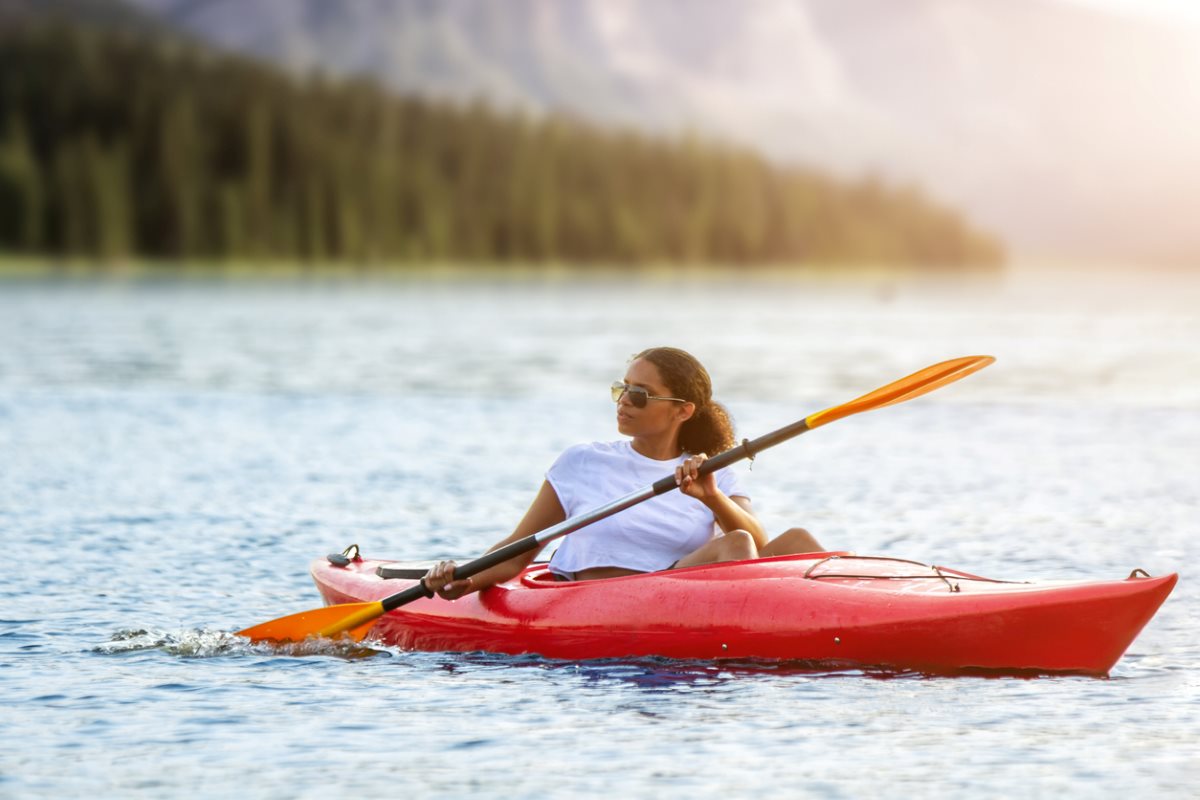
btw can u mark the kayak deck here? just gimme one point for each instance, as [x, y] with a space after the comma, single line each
[834, 608]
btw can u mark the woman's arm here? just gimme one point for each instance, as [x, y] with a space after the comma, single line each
[545, 511]
[731, 513]
[734, 513]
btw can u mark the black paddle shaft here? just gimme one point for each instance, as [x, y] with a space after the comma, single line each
[747, 449]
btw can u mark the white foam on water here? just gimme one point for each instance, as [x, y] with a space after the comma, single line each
[201, 643]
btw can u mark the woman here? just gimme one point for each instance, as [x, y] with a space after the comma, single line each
[665, 405]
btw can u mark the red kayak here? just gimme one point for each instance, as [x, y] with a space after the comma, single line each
[827, 608]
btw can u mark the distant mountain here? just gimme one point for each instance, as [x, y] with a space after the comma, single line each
[1069, 130]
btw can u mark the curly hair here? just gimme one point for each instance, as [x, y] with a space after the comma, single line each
[710, 429]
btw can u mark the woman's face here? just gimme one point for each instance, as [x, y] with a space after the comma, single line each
[659, 416]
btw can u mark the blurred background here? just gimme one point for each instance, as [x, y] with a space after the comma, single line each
[382, 134]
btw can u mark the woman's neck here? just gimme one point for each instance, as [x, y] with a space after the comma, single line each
[664, 448]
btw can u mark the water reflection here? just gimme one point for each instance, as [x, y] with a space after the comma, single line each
[656, 675]
[649, 674]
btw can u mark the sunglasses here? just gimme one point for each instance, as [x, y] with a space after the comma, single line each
[637, 395]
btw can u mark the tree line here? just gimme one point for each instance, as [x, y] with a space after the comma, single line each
[116, 146]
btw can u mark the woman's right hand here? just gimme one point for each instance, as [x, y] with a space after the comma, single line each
[440, 581]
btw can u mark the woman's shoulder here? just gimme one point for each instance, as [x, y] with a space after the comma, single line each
[581, 459]
[585, 450]
[595, 454]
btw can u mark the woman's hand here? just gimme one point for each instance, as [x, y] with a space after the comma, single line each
[691, 483]
[440, 580]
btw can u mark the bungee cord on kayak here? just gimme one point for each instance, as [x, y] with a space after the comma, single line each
[939, 573]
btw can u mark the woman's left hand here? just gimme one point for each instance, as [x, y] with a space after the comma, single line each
[691, 483]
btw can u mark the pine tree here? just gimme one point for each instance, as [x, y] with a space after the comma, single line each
[22, 202]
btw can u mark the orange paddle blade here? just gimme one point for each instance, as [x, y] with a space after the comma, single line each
[914, 385]
[351, 619]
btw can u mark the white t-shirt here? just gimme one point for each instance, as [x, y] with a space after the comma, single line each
[647, 537]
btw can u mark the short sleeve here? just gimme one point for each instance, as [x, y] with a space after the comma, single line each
[563, 473]
[729, 483]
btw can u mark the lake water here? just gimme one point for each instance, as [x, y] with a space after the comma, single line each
[173, 455]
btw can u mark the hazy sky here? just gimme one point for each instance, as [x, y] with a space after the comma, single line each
[1187, 11]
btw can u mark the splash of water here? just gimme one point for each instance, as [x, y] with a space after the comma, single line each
[201, 643]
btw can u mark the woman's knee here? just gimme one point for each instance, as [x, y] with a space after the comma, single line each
[739, 545]
[791, 541]
[736, 545]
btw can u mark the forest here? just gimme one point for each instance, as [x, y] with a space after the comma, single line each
[116, 147]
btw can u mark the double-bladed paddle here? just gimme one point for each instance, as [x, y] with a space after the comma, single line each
[355, 619]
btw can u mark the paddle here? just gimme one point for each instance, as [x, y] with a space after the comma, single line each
[355, 619]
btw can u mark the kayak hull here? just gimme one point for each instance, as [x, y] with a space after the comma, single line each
[828, 608]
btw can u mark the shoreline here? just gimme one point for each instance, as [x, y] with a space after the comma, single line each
[269, 270]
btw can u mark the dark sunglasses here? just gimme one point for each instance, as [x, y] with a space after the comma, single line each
[637, 395]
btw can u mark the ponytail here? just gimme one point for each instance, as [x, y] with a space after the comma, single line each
[709, 431]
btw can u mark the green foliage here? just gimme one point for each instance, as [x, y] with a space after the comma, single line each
[22, 201]
[115, 146]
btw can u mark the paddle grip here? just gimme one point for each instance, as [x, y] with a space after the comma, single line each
[460, 572]
[407, 596]
[489, 560]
